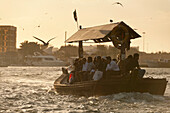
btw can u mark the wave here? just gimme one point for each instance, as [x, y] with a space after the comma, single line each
[134, 97]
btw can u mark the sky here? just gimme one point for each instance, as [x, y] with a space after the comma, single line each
[54, 17]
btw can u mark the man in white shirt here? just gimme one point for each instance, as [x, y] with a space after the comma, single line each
[85, 65]
[86, 69]
[111, 66]
[90, 64]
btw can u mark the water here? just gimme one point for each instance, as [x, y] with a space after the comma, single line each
[30, 89]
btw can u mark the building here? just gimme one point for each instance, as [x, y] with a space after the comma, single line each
[8, 53]
[7, 38]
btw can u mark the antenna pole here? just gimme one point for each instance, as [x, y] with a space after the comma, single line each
[77, 25]
[80, 44]
[80, 48]
[143, 41]
[65, 37]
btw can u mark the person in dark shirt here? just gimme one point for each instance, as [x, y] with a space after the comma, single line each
[94, 61]
[99, 64]
[129, 64]
[135, 66]
[121, 64]
[78, 68]
[98, 69]
[77, 65]
[83, 69]
[135, 63]
[104, 63]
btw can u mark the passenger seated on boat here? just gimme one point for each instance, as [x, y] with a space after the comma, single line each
[98, 69]
[90, 68]
[104, 65]
[94, 61]
[84, 64]
[115, 60]
[87, 69]
[122, 67]
[135, 65]
[64, 70]
[121, 64]
[73, 68]
[76, 69]
[81, 74]
[104, 61]
[98, 64]
[90, 64]
[76, 64]
[112, 67]
[128, 64]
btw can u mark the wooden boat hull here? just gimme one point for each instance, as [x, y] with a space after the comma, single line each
[111, 86]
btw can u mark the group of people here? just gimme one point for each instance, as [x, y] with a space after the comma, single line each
[94, 69]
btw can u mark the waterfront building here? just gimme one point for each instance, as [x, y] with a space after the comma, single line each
[8, 38]
[8, 52]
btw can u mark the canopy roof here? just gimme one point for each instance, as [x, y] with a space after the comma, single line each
[100, 33]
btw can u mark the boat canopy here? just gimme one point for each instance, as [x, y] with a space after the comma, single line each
[100, 33]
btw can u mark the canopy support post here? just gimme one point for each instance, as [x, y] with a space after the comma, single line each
[80, 49]
[123, 52]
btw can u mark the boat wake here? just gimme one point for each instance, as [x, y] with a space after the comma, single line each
[134, 97]
[30, 89]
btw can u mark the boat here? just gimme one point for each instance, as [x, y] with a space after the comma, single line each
[120, 35]
[3, 64]
[160, 63]
[43, 60]
[112, 85]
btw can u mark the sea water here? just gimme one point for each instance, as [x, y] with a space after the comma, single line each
[30, 89]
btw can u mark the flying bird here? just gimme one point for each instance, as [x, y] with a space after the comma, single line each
[38, 26]
[117, 3]
[45, 43]
[111, 20]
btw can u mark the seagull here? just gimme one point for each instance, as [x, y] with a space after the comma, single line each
[117, 3]
[45, 43]
[111, 20]
[38, 26]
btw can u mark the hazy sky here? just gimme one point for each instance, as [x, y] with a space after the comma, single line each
[56, 16]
